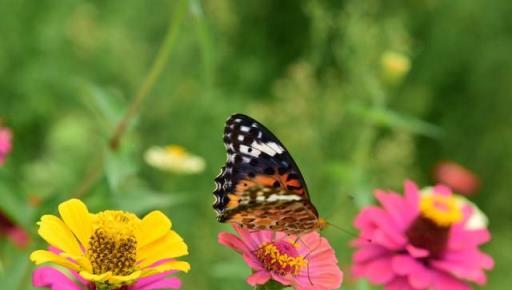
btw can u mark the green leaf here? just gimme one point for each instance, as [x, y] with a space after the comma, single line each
[120, 168]
[17, 269]
[17, 210]
[144, 200]
[107, 107]
[271, 285]
[387, 118]
[204, 40]
[231, 269]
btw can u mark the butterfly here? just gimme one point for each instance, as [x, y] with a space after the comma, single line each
[260, 187]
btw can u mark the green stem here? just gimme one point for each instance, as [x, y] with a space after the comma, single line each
[154, 72]
[156, 69]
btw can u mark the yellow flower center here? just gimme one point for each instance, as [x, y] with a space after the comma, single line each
[444, 210]
[112, 246]
[281, 257]
[176, 150]
[395, 63]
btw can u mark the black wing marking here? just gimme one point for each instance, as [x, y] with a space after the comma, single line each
[253, 151]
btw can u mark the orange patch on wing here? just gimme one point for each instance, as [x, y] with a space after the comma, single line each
[233, 200]
[294, 182]
[269, 181]
[266, 180]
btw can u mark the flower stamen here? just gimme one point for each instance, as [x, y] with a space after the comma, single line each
[281, 257]
[176, 150]
[444, 210]
[112, 246]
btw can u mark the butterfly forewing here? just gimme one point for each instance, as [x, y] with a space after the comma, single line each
[261, 187]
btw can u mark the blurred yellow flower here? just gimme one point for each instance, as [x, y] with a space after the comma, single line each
[111, 248]
[174, 158]
[394, 66]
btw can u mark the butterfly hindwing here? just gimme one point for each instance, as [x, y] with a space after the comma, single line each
[261, 186]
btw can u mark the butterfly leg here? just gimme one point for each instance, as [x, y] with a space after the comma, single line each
[309, 254]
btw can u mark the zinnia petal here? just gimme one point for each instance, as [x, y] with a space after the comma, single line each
[167, 266]
[56, 233]
[154, 226]
[42, 256]
[75, 215]
[49, 277]
[171, 245]
[258, 278]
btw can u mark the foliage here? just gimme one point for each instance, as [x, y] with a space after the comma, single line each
[311, 70]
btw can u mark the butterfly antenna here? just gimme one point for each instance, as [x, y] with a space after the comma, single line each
[348, 232]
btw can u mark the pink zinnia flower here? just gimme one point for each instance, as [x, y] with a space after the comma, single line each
[304, 263]
[457, 177]
[51, 278]
[423, 240]
[5, 144]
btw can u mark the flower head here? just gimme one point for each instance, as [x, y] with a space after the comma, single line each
[307, 262]
[174, 158]
[394, 66]
[5, 144]
[109, 250]
[457, 177]
[425, 239]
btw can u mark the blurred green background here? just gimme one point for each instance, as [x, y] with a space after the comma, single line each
[364, 94]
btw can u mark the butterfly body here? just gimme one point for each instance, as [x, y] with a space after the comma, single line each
[261, 187]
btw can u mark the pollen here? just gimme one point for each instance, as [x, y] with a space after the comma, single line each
[444, 210]
[281, 257]
[176, 150]
[113, 246]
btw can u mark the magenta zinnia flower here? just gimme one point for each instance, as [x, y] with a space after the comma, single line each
[5, 144]
[304, 263]
[423, 240]
[54, 279]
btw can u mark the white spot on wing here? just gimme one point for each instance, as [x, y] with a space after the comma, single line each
[263, 148]
[240, 138]
[287, 197]
[275, 147]
[248, 150]
[244, 129]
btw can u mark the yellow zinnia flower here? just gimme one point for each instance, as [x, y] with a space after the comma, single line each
[111, 248]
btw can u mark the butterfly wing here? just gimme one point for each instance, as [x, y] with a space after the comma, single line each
[261, 187]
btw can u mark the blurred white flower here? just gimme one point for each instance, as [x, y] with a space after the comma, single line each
[478, 219]
[174, 158]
